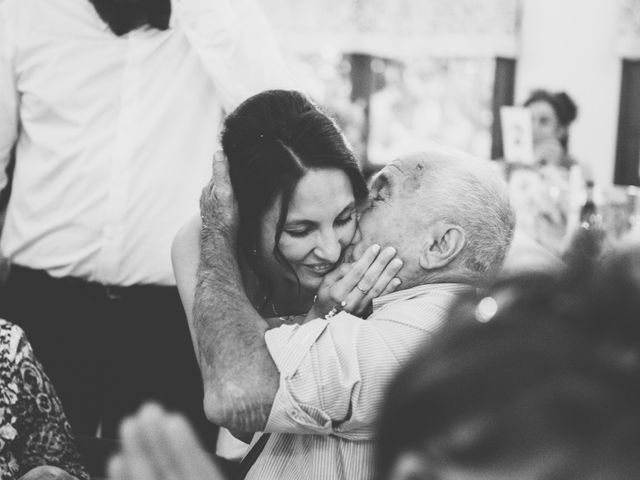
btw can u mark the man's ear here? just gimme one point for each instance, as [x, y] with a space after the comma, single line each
[443, 244]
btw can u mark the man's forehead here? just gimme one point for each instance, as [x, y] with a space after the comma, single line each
[406, 165]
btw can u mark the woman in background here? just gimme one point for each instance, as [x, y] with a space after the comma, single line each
[547, 195]
[552, 115]
[35, 436]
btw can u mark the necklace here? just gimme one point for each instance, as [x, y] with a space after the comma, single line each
[267, 304]
[273, 308]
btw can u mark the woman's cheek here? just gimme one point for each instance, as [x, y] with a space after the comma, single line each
[295, 249]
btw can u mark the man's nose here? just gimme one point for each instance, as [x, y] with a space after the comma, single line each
[328, 247]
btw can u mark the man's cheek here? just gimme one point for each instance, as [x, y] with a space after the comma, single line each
[355, 252]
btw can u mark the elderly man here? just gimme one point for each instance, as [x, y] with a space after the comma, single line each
[317, 387]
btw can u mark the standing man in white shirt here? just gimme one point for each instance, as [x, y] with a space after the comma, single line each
[113, 109]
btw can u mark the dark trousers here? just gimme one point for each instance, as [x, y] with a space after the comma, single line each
[107, 350]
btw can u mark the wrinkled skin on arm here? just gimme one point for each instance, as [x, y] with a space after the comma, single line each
[239, 375]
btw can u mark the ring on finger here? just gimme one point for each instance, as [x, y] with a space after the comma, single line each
[337, 308]
[362, 290]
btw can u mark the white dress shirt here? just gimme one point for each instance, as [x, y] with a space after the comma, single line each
[333, 378]
[115, 135]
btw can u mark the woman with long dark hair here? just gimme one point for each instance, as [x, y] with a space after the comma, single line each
[298, 188]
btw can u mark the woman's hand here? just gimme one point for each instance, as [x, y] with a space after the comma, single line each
[218, 205]
[355, 285]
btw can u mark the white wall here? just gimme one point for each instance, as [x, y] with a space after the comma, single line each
[571, 45]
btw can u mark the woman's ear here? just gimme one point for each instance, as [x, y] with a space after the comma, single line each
[443, 244]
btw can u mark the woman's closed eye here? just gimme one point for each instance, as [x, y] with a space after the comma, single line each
[341, 221]
[305, 229]
[298, 232]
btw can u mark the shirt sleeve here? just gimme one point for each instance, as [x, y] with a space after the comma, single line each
[236, 45]
[8, 95]
[333, 375]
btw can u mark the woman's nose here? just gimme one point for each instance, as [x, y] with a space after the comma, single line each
[329, 247]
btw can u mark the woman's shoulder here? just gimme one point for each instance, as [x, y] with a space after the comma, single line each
[187, 238]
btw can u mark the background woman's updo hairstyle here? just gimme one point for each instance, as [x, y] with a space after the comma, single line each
[564, 107]
[271, 140]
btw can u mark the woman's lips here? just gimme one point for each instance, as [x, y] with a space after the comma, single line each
[320, 268]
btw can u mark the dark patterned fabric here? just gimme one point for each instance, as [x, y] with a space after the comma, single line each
[33, 428]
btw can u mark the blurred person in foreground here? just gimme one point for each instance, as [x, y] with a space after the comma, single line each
[112, 107]
[35, 437]
[316, 388]
[539, 379]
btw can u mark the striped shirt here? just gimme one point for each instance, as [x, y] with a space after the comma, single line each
[333, 376]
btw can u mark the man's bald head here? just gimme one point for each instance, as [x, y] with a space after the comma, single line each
[447, 213]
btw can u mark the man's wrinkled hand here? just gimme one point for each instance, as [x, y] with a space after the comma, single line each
[218, 205]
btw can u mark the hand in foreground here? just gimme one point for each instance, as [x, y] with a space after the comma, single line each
[160, 446]
[47, 472]
[358, 283]
[218, 205]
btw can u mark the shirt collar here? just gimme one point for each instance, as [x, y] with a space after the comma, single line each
[401, 295]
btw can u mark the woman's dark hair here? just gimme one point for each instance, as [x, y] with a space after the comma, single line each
[554, 366]
[564, 107]
[271, 141]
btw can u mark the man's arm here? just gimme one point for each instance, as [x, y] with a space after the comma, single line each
[236, 46]
[239, 375]
[8, 96]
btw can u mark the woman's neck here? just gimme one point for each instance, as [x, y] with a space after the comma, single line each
[279, 299]
[286, 299]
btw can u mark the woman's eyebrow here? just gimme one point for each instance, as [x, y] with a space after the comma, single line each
[304, 221]
[299, 223]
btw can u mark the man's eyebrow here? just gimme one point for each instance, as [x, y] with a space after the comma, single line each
[380, 181]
